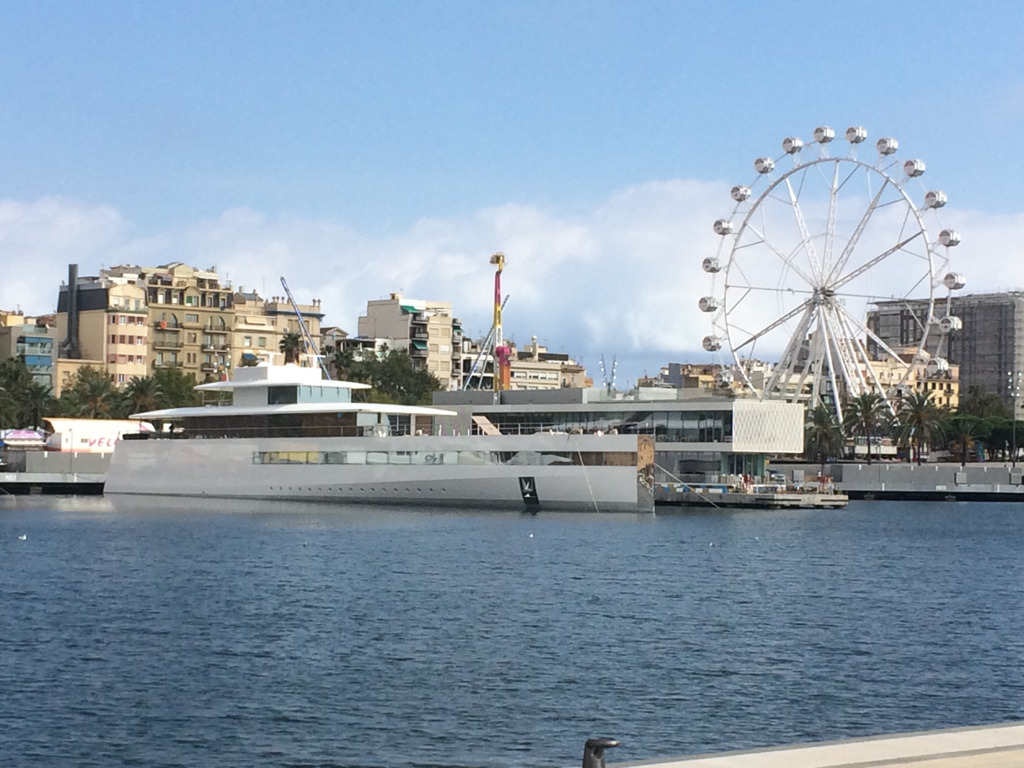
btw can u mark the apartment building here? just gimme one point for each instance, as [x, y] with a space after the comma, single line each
[988, 349]
[426, 328]
[534, 367]
[33, 341]
[105, 319]
[259, 325]
[191, 312]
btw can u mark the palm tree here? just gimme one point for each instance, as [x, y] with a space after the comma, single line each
[966, 429]
[864, 415]
[824, 434]
[38, 400]
[343, 361]
[919, 422]
[292, 346]
[98, 397]
[142, 394]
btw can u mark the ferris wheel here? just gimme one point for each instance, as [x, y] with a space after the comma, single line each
[812, 244]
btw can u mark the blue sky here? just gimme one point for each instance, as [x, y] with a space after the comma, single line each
[158, 130]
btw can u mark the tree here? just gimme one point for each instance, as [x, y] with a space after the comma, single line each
[15, 382]
[98, 396]
[38, 401]
[142, 394]
[983, 404]
[393, 378]
[343, 361]
[177, 388]
[919, 422]
[965, 429]
[824, 435]
[864, 415]
[292, 346]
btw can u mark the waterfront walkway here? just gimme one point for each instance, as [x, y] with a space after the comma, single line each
[994, 746]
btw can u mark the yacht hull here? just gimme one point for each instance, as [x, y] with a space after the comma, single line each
[604, 473]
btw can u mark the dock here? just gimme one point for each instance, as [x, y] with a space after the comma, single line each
[685, 495]
[51, 483]
[993, 746]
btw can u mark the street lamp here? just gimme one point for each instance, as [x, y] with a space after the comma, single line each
[1013, 388]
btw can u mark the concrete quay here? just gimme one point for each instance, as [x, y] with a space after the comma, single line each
[936, 482]
[993, 746]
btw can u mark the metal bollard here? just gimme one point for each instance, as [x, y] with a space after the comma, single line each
[593, 752]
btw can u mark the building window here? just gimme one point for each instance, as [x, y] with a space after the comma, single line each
[113, 339]
[247, 341]
[121, 339]
[115, 301]
[191, 318]
[113, 319]
[191, 338]
[124, 320]
[112, 358]
[120, 378]
[122, 359]
[263, 341]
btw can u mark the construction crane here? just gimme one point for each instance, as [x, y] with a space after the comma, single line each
[609, 383]
[502, 353]
[307, 337]
[480, 363]
[495, 342]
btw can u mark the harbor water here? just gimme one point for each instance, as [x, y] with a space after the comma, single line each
[165, 633]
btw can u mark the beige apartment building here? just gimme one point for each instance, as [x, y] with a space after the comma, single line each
[134, 320]
[109, 324]
[425, 328]
[534, 367]
[259, 326]
[191, 313]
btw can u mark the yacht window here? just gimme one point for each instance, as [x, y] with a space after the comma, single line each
[282, 395]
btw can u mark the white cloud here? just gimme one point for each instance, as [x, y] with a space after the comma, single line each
[622, 279]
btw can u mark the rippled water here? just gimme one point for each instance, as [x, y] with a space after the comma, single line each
[174, 634]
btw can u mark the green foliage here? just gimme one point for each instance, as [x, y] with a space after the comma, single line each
[919, 422]
[293, 346]
[965, 431]
[176, 388]
[866, 415]
[342, 361]
[824, 435]
[23, 401]
[977, 402]
[392, 377]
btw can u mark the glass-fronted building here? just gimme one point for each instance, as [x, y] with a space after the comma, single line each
[694, 437]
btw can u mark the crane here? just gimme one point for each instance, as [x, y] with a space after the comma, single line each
[502, 352]
[308, 338]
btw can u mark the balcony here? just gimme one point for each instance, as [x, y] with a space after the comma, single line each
[166, 325]
[167, 364]
[209, 367]
[167, 344]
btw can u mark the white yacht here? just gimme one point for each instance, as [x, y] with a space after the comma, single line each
[291, 434]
